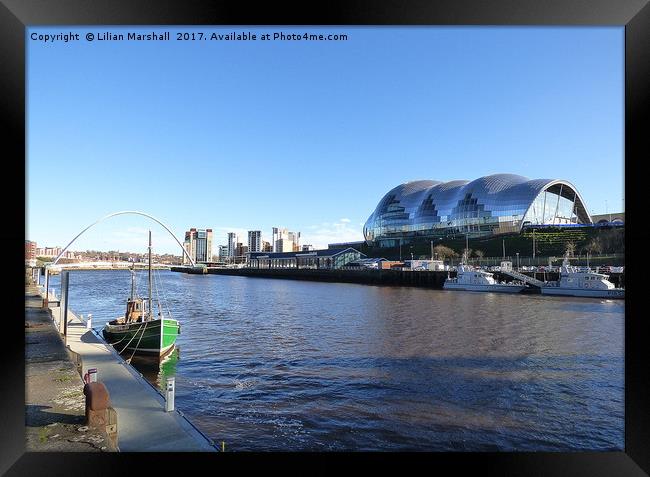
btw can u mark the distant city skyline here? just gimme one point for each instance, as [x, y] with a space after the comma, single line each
[243, 136]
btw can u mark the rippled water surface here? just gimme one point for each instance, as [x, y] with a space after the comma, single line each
[268, 364]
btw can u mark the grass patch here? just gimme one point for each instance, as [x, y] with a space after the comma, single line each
[63, 378]
[71, 394]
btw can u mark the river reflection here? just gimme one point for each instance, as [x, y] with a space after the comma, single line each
[274, 364]
[157, 370]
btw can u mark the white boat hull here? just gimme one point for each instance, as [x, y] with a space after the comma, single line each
[616, 293]
[498, 288]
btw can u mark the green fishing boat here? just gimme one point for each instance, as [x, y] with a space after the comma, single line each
[139, 331]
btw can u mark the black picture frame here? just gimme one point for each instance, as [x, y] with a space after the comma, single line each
[634, 15]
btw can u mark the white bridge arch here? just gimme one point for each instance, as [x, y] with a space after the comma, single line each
[123, 212]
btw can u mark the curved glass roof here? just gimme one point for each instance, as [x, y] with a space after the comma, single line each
[492, 204]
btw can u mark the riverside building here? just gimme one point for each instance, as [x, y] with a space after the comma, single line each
[316, 259]
[232, 244]
[254, 240]
[30, 250]
[198, 244]
[491, 205]
[283, 240]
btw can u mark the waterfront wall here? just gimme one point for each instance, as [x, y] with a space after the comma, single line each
[367, 277]
[426, 279]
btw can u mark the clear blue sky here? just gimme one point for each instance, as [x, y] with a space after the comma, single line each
[235, 135]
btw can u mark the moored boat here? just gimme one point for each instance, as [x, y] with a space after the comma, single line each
[470, 279]
[574, 282]
[474, 279]
[139, 331]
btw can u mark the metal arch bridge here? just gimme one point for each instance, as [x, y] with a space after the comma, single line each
[123, 212]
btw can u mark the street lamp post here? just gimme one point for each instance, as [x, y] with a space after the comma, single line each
[533, 245]
[517, 261]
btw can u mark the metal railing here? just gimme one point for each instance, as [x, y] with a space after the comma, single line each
[523, 278]
[578, 260]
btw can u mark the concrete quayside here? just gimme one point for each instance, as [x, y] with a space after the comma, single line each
[417, 278]
[143, 424]
[54, 400]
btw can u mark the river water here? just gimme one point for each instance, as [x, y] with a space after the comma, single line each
[284, 365]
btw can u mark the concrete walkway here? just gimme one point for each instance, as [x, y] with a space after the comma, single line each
[54, 402]
[143, 425]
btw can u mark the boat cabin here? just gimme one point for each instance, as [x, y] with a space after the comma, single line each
[572, 277]
[136, 311]
[506, 266]
[467, 275]
[585, 280]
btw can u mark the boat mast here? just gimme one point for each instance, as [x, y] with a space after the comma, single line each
[150, 302]
[132, 283]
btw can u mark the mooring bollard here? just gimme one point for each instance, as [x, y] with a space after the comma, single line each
[89, 322]
[169, 396]
[97, 401]
[99, 412]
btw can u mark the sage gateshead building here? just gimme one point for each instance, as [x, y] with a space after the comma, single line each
[490, 205]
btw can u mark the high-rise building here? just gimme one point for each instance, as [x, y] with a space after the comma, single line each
[223, 252]
[290, 237]
[204, 245]
[283, 245]
[232, 244]
[189, 244]
[254, 240]
[294, 237]
[208, 245]
[266, 246]
[198, 244]
[240, 249]
[276, 234]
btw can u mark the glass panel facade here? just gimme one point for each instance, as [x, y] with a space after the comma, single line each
[201, 249]
[316, 260]
[500, 203]
[557, 205]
